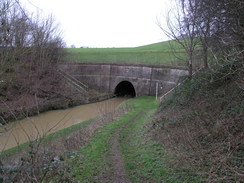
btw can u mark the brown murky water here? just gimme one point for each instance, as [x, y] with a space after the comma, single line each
[34, 127]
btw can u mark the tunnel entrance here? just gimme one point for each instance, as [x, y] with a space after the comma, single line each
[125, 88]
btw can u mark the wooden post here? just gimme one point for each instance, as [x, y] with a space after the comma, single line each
[156, 91]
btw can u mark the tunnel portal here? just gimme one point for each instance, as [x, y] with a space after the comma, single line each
[125, 88]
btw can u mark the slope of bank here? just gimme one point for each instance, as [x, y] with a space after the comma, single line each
[24, 94]
[201, 124]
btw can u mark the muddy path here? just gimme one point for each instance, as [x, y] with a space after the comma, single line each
[117, 158]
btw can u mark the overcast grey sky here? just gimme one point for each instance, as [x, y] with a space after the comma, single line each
[105, 23]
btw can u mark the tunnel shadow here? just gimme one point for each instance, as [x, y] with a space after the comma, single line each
[125, 89]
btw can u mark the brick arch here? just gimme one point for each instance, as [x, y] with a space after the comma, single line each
[125, 88]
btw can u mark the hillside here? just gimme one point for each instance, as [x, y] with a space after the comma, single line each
[201, 125]
[153, 54]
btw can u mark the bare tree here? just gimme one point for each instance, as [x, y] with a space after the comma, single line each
[30, 47]
[213, 26]
[222, 24]
[220, 28]
[203, 26]
[182, 28]
[20, 32]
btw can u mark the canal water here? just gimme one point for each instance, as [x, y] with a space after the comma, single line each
[31, 128]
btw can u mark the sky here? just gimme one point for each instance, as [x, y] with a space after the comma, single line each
[105, 23]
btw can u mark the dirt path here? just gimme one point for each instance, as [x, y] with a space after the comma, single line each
[117, 159]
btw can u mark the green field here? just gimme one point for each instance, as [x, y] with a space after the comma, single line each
[153, 54]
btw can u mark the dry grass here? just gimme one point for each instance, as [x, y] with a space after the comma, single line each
[204, 133]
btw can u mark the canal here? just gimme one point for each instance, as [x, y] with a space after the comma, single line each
[31, 128]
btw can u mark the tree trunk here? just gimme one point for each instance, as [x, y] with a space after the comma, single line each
[190, 64]
[205, 56]
[190, 70]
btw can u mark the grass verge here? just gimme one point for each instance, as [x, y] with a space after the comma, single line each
[145, 159]
[95, 164]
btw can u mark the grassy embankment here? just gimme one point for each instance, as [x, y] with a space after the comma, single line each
[145, 159]
[153, 54]
[96, 164]
[201, 124]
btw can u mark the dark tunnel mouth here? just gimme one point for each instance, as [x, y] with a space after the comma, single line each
[125, 89]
